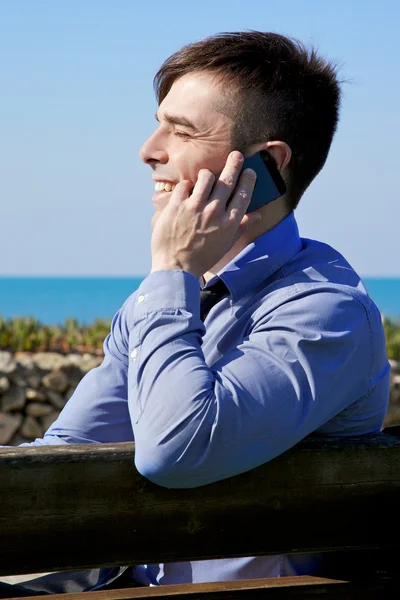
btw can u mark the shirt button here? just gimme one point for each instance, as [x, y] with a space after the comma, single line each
[134, 354]
[141, 299]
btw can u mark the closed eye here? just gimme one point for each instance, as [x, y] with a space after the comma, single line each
[181, 134]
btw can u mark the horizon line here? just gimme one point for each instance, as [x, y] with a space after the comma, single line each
[136, 276]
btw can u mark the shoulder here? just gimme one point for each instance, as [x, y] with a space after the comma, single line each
[319, 289]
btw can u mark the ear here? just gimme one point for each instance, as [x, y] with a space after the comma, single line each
[280, 151]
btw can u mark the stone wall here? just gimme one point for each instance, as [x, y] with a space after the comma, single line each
[34, 387]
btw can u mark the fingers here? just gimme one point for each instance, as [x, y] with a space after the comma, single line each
[207, 190]
[204, 185]
[181, 192]
[229, 195]
[241, 198]
[227, 180]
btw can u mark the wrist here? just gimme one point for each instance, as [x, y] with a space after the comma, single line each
[166, 266]
[174, 266]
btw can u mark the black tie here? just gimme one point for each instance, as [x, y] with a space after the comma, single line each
[211, 296]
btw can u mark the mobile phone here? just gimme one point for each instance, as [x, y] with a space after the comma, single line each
[269, 184]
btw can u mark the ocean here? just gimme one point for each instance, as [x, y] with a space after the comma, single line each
[51, 300]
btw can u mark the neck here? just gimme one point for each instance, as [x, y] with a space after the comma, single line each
[271, 216]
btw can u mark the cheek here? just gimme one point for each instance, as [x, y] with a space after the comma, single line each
[191, 160]
[188, 161]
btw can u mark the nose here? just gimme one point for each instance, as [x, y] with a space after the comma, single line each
[153, 150]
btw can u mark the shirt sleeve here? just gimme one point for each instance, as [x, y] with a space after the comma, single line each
[98, 412]
[296, 369]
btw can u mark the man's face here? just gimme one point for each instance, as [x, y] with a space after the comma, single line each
[191, 135]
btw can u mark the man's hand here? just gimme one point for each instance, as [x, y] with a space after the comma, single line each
[195, 231]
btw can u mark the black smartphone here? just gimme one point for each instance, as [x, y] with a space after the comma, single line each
[269, 184]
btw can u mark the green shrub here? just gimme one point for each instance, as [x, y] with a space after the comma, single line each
[29, 335]
[392, 332]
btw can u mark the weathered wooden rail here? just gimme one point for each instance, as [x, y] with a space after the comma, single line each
[70, 507]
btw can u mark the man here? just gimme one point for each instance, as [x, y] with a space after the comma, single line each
[295, 345]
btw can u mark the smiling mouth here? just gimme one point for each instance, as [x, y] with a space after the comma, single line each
[164, 186]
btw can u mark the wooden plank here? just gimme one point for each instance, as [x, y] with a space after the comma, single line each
[70, 507]
[285, 588]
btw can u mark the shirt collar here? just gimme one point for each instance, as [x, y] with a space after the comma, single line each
[260, 259]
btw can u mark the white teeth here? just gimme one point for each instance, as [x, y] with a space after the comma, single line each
[164, 185]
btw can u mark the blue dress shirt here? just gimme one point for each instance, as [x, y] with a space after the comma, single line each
[296, 347]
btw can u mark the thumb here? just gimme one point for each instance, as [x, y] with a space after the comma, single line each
[245, 224]
[248, 221]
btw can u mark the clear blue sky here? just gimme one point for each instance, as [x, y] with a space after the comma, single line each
[76, 102]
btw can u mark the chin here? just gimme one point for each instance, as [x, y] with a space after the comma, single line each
[161, 199]
[159, 207]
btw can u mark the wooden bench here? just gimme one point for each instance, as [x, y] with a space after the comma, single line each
[76, 507]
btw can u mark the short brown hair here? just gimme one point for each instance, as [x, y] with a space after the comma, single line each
[279, 90]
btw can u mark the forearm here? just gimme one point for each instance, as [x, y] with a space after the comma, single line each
[171, 387]
[196, 424]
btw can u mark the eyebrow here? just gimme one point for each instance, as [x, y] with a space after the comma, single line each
[176, 120]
